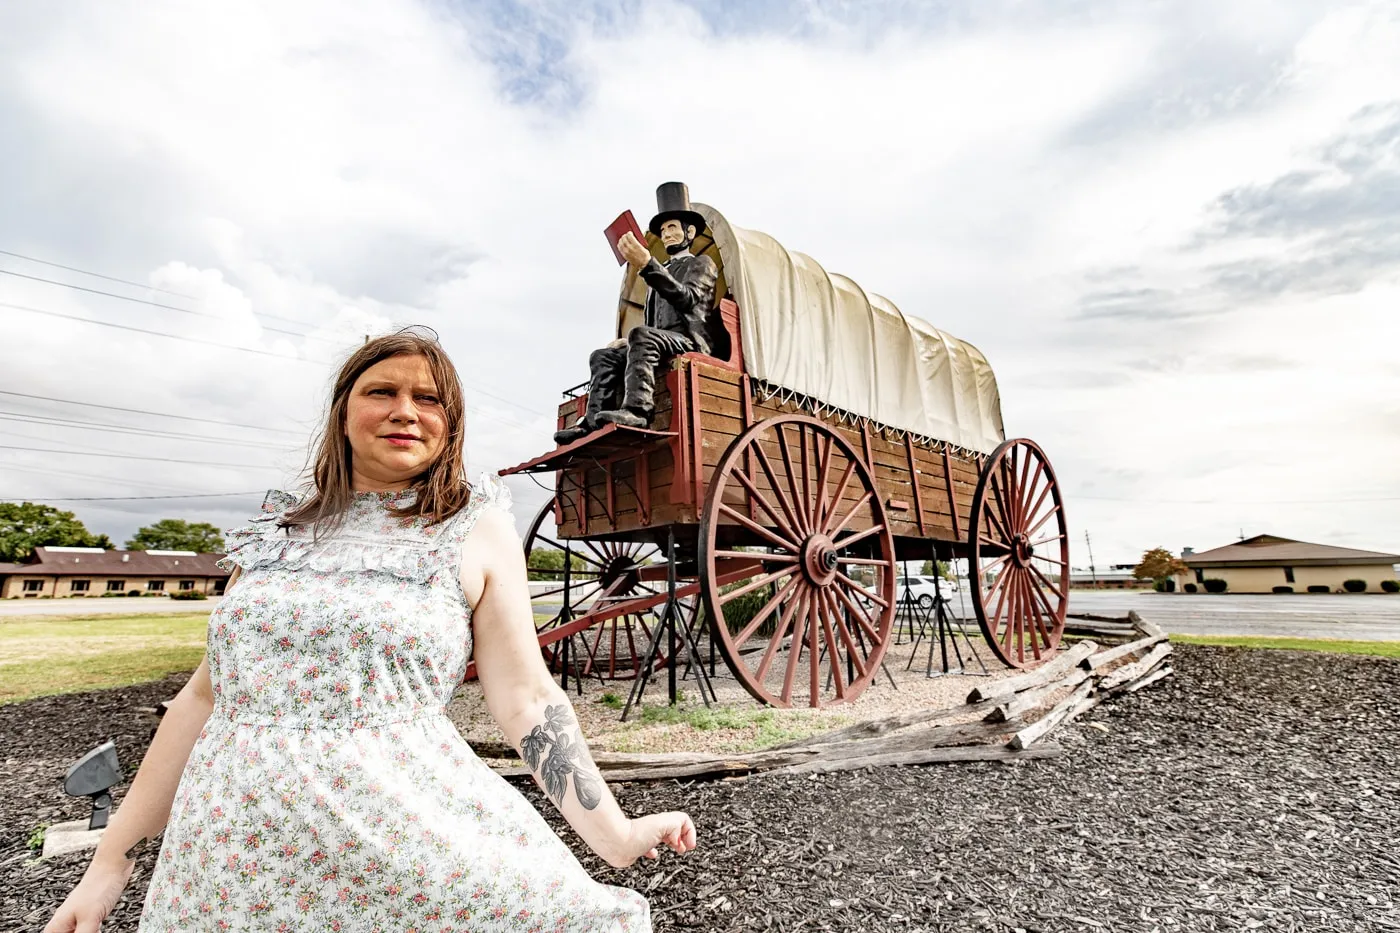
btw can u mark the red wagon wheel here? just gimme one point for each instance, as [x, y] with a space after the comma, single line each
[600, 573]
[810, 624]
[1019, 554]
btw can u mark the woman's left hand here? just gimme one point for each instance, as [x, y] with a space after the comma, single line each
[649, 833]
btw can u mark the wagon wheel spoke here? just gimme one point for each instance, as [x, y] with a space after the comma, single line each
[798, 639]
[797, 498]
[789, 508]
[757, 529]
[1045, 518]
[845, 633]
[823, 473]
[768, 608]
[755, 584]
[762, 501]
[873, 597]
[860, 504]
[836, 496]
[573, 552]
[784, 626]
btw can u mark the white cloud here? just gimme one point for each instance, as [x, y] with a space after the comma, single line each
[360, 167]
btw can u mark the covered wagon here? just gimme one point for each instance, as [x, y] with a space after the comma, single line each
[827, 438]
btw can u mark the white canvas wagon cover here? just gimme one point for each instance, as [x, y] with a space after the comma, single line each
[821, 335]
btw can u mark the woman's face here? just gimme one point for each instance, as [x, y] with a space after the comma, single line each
[395, 424]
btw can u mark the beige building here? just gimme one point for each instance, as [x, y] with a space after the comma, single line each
[89, 571]
[1264, 562]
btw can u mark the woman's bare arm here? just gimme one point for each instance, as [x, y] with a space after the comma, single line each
[535, 714]
[144, 810]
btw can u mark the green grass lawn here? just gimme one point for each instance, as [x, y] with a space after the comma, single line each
[45, 655]
[1380, 649]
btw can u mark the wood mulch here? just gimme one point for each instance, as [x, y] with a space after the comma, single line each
[1252, 790]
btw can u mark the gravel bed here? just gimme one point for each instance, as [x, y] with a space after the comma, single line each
[1253, 790]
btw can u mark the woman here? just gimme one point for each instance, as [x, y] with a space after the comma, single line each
[309, 775]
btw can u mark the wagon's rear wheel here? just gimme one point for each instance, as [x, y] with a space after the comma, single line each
[600, 573]
[1019, 554]
[809, 622]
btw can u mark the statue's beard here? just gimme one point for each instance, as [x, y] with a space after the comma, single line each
[680, 247]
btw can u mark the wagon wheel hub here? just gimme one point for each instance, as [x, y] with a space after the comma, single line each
[613, 570]
[819, 560]
[1022, 550]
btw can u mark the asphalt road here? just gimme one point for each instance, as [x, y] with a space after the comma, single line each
[1352, 616]
[1359, 617]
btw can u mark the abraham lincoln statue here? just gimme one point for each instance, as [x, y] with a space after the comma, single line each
[679, 297]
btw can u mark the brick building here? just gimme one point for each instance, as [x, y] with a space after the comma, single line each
[88, 571]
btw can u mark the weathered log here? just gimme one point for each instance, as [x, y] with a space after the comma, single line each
[1152, 678]
[1013, 706]
[1043, 674]
[1095, 617]
[490, 748]
[1066, 710]
[641, 767]
[1144, 626]
[1102, 659]
[1101, 632]
[873, 728]
[1128, 673]
[922, 757]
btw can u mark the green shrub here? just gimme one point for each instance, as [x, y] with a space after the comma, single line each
[1354, 586]
[1190, 587]
[1165, 586]
[1319, 588]
[188, 594]
[1390, 586]
[1215, 585]
[1283, 589]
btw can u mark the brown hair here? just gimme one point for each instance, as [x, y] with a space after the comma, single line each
[442, 488]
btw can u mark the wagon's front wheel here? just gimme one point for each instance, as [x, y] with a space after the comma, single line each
[797, 564]
[1019, 550]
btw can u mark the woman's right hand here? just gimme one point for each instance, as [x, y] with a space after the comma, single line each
[92, 900]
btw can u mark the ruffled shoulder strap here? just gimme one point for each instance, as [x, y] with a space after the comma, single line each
[488, 492]
[243, 545]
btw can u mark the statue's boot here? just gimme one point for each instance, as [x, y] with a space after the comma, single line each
[569, 435]
[625, 417]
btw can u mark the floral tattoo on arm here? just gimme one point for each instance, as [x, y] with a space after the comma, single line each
[558, 744]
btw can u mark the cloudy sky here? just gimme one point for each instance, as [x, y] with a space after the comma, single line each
[1174, 229]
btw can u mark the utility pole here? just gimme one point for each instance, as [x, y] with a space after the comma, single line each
[1092, 574]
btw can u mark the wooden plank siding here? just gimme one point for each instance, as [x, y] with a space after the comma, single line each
[707, 409]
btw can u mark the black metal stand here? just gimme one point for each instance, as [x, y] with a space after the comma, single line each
[936, 621]
[674, 633]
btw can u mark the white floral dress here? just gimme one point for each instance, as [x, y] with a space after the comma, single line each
[329, 790]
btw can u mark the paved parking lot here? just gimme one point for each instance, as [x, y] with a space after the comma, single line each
[1352, 616]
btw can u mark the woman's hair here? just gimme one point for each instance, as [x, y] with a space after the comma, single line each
[442, 487]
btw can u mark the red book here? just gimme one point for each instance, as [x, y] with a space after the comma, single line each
[625, 223]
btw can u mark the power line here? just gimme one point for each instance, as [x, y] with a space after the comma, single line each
[157, 333]
[140, 432]
[193, 495]
[157, 304]
[158, 414]
[50, 472]
[80, 453]
[96, 275]
[279, 356]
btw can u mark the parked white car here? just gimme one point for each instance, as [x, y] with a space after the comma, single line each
[922, 588]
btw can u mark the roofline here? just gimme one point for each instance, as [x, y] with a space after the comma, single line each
[1386, 561]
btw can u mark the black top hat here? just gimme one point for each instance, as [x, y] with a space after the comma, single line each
[673, 203]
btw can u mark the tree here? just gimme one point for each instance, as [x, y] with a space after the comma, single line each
[945, 570]
[1159, 564]
[176, 534]
[543, 560]
[27, 525]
